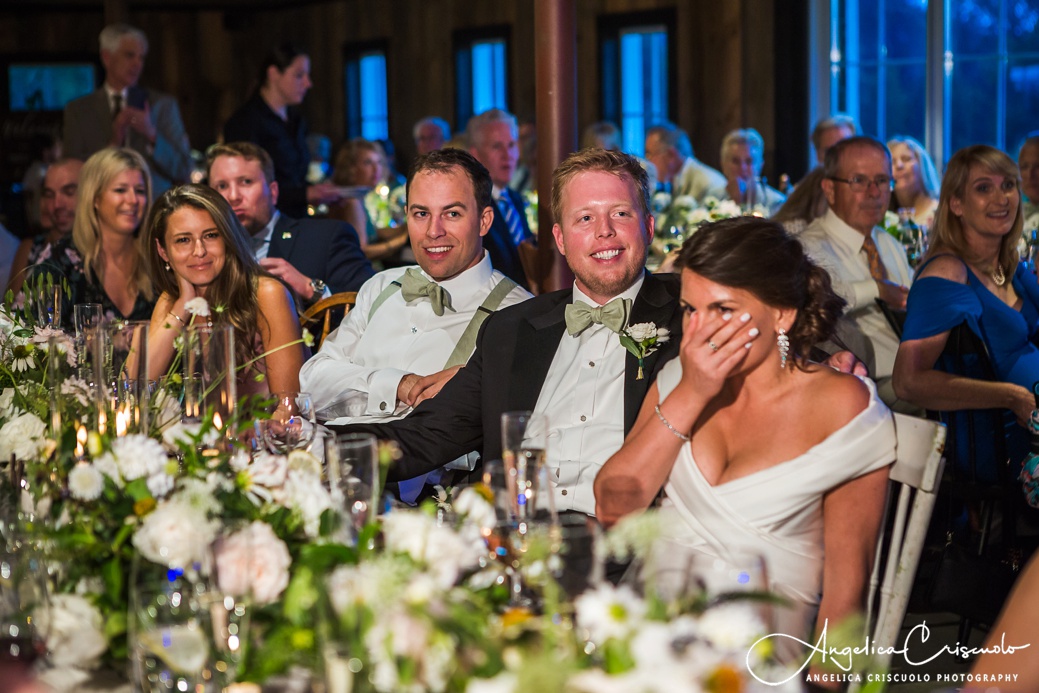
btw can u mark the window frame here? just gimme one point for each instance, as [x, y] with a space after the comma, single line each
[352, 54]
[462, 42]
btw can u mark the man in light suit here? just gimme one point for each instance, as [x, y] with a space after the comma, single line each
[314, 257]
[493, 139]
[122, 114]
[529, 356]
[668, 148]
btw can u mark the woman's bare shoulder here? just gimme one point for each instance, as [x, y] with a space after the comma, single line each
[269, 288]
[946, 267]
[845, 395]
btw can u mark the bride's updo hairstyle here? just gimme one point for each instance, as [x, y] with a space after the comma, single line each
[758, 256]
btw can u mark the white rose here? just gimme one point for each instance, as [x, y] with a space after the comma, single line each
[253, 561]
[641, 331]
[307, 497]
[74, 628]
[85, 482]
[7, 407]
[175, 534]
[22, 437]
[475, 508]
[198, 306]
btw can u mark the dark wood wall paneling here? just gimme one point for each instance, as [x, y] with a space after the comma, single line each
[725, 78]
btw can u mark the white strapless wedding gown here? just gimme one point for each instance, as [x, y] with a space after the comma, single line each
[776, 512]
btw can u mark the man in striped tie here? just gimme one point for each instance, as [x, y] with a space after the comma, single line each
[864, 261]
[493, 139]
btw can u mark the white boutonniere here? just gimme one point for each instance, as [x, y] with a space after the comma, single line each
[642, 339]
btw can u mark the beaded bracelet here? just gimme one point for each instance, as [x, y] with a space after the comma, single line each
[667, 423]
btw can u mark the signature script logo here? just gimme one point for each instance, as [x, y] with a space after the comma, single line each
[843, 657]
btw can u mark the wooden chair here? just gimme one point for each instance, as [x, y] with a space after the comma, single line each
[915, 478]
[329, 312]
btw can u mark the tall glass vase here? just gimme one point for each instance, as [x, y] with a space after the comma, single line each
[209, 373]
[126, 366]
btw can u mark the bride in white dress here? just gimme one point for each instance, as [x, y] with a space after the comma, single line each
[757, 449]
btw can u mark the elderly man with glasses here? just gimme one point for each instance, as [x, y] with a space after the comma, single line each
[864, 262]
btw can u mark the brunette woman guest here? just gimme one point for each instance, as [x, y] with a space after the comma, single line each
[271, 118]
[198, 248]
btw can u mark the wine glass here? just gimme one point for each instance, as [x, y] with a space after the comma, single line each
[291, 425]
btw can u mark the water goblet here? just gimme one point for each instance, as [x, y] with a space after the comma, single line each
[291, 425]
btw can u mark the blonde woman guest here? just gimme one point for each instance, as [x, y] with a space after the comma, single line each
[742, 157]
[916, 179]
[104, 260]
[198, 248]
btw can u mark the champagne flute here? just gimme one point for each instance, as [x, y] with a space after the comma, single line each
[24, 606]
[352, 467]
[291, 425]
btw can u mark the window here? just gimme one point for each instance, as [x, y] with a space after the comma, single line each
[948, 73]
[47, 86]
[636, 72]
[481, 74]
[367, 113]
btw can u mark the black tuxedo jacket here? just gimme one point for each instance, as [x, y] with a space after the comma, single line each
[322, 249]
[498, 243]
[506, 373]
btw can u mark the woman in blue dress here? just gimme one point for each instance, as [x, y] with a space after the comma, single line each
[971, 275]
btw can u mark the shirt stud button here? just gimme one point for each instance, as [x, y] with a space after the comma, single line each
[382, 406]
[583, 417]
[564, 492]
[591, 364]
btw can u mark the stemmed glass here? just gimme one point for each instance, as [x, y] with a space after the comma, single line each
[291, 425]
[524, 441]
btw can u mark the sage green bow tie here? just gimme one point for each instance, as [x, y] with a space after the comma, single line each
[413, 285]
[579, 315]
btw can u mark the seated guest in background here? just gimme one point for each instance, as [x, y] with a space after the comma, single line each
[122, 114]
[104, 261]
[313, 257]
[271, 119]
[971, 275]
[1028, 163]
[864, 261]
[430, 134]
[320, 148]
[8, 249]
[57, 212]
[742, 156]
[805, 204]
[198, 248]
[809, 503]
[532, 356]
[606, 135]
[669, 150]
[916, 180]
[829, 131]
[524, 178]
[390, 175]
[360, 162]
[45, 148]
[412, 329]
[493, 138]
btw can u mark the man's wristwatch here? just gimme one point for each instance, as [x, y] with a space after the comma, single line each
[319, 289]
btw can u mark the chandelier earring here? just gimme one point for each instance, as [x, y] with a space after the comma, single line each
[167, 267]
[783, 343]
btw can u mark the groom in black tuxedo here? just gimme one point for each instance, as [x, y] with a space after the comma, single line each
[559, 353]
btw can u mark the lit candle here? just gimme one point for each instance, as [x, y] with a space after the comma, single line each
[81, 440]
[121, 419]
[218, 423]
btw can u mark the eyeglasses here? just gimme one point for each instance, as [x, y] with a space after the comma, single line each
[861, 183]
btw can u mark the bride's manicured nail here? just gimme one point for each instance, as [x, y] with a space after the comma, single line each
[726, 317]
[745, 317]
[748, 345]
[754, 332]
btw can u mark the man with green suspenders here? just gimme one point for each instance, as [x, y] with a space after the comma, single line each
[412, 328]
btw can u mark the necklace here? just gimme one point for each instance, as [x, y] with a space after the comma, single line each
[998, 276]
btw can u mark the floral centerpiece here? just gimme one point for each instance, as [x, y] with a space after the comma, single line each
[417, 600]
[386, 206]
[679, 218]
